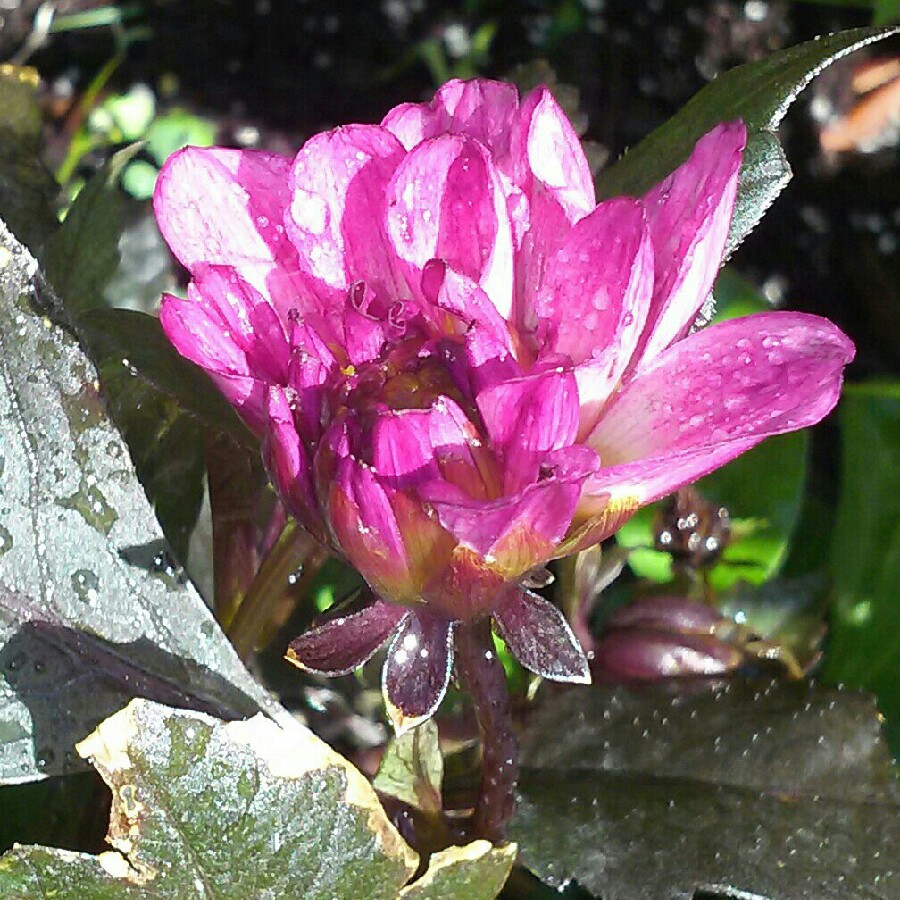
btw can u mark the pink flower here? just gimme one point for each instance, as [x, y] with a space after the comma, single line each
[462, 367]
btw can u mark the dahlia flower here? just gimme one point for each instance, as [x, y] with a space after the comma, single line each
[462, 367]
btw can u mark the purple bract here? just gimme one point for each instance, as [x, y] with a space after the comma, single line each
[462, 367]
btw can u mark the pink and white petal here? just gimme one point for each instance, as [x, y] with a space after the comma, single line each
[550, 151]
[196, 328]
[738, 381]
[548, 226]
[480, 108]
[445, 201]
[345, 639]
[410, 123]
[537, 634]
[595, 296]
[248, 319]
[689, 215]
[288, 463]
[417, 669]
[527, 417]
[220, 206]
[337, 208]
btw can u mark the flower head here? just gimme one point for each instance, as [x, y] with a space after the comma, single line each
[463, 367]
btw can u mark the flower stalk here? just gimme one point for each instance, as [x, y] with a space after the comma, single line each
[481, 675]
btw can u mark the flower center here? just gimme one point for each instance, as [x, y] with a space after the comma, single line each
[410, 375]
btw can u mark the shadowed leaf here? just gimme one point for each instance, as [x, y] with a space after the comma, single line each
[779, 791]
[73, 524]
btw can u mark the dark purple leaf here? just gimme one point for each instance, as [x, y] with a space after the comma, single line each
[417, 669]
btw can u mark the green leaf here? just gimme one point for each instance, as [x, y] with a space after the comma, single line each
[760, 93]
[412, 768]
[770, 791]
[202, 808]
[83, 254]
[864, 649]
[91, 611]
[139, 179]
[886, 12]
[27, 188]
[477, 871]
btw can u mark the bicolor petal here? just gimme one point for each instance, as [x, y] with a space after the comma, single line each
[337, 210]
[689, 215]
[480, 108]
[551, 153]
[221, 206]
[445, 201]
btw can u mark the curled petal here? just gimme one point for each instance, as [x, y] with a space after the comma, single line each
[714, 395]
[417, 669]
[344, 639]
[456, 293]
[446, 202]
[537, 634]
[689, 215]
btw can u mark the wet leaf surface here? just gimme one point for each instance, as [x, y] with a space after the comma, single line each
[864, 649]
[80, 551]
[760, 93]
[202, 808]
[779, 791]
